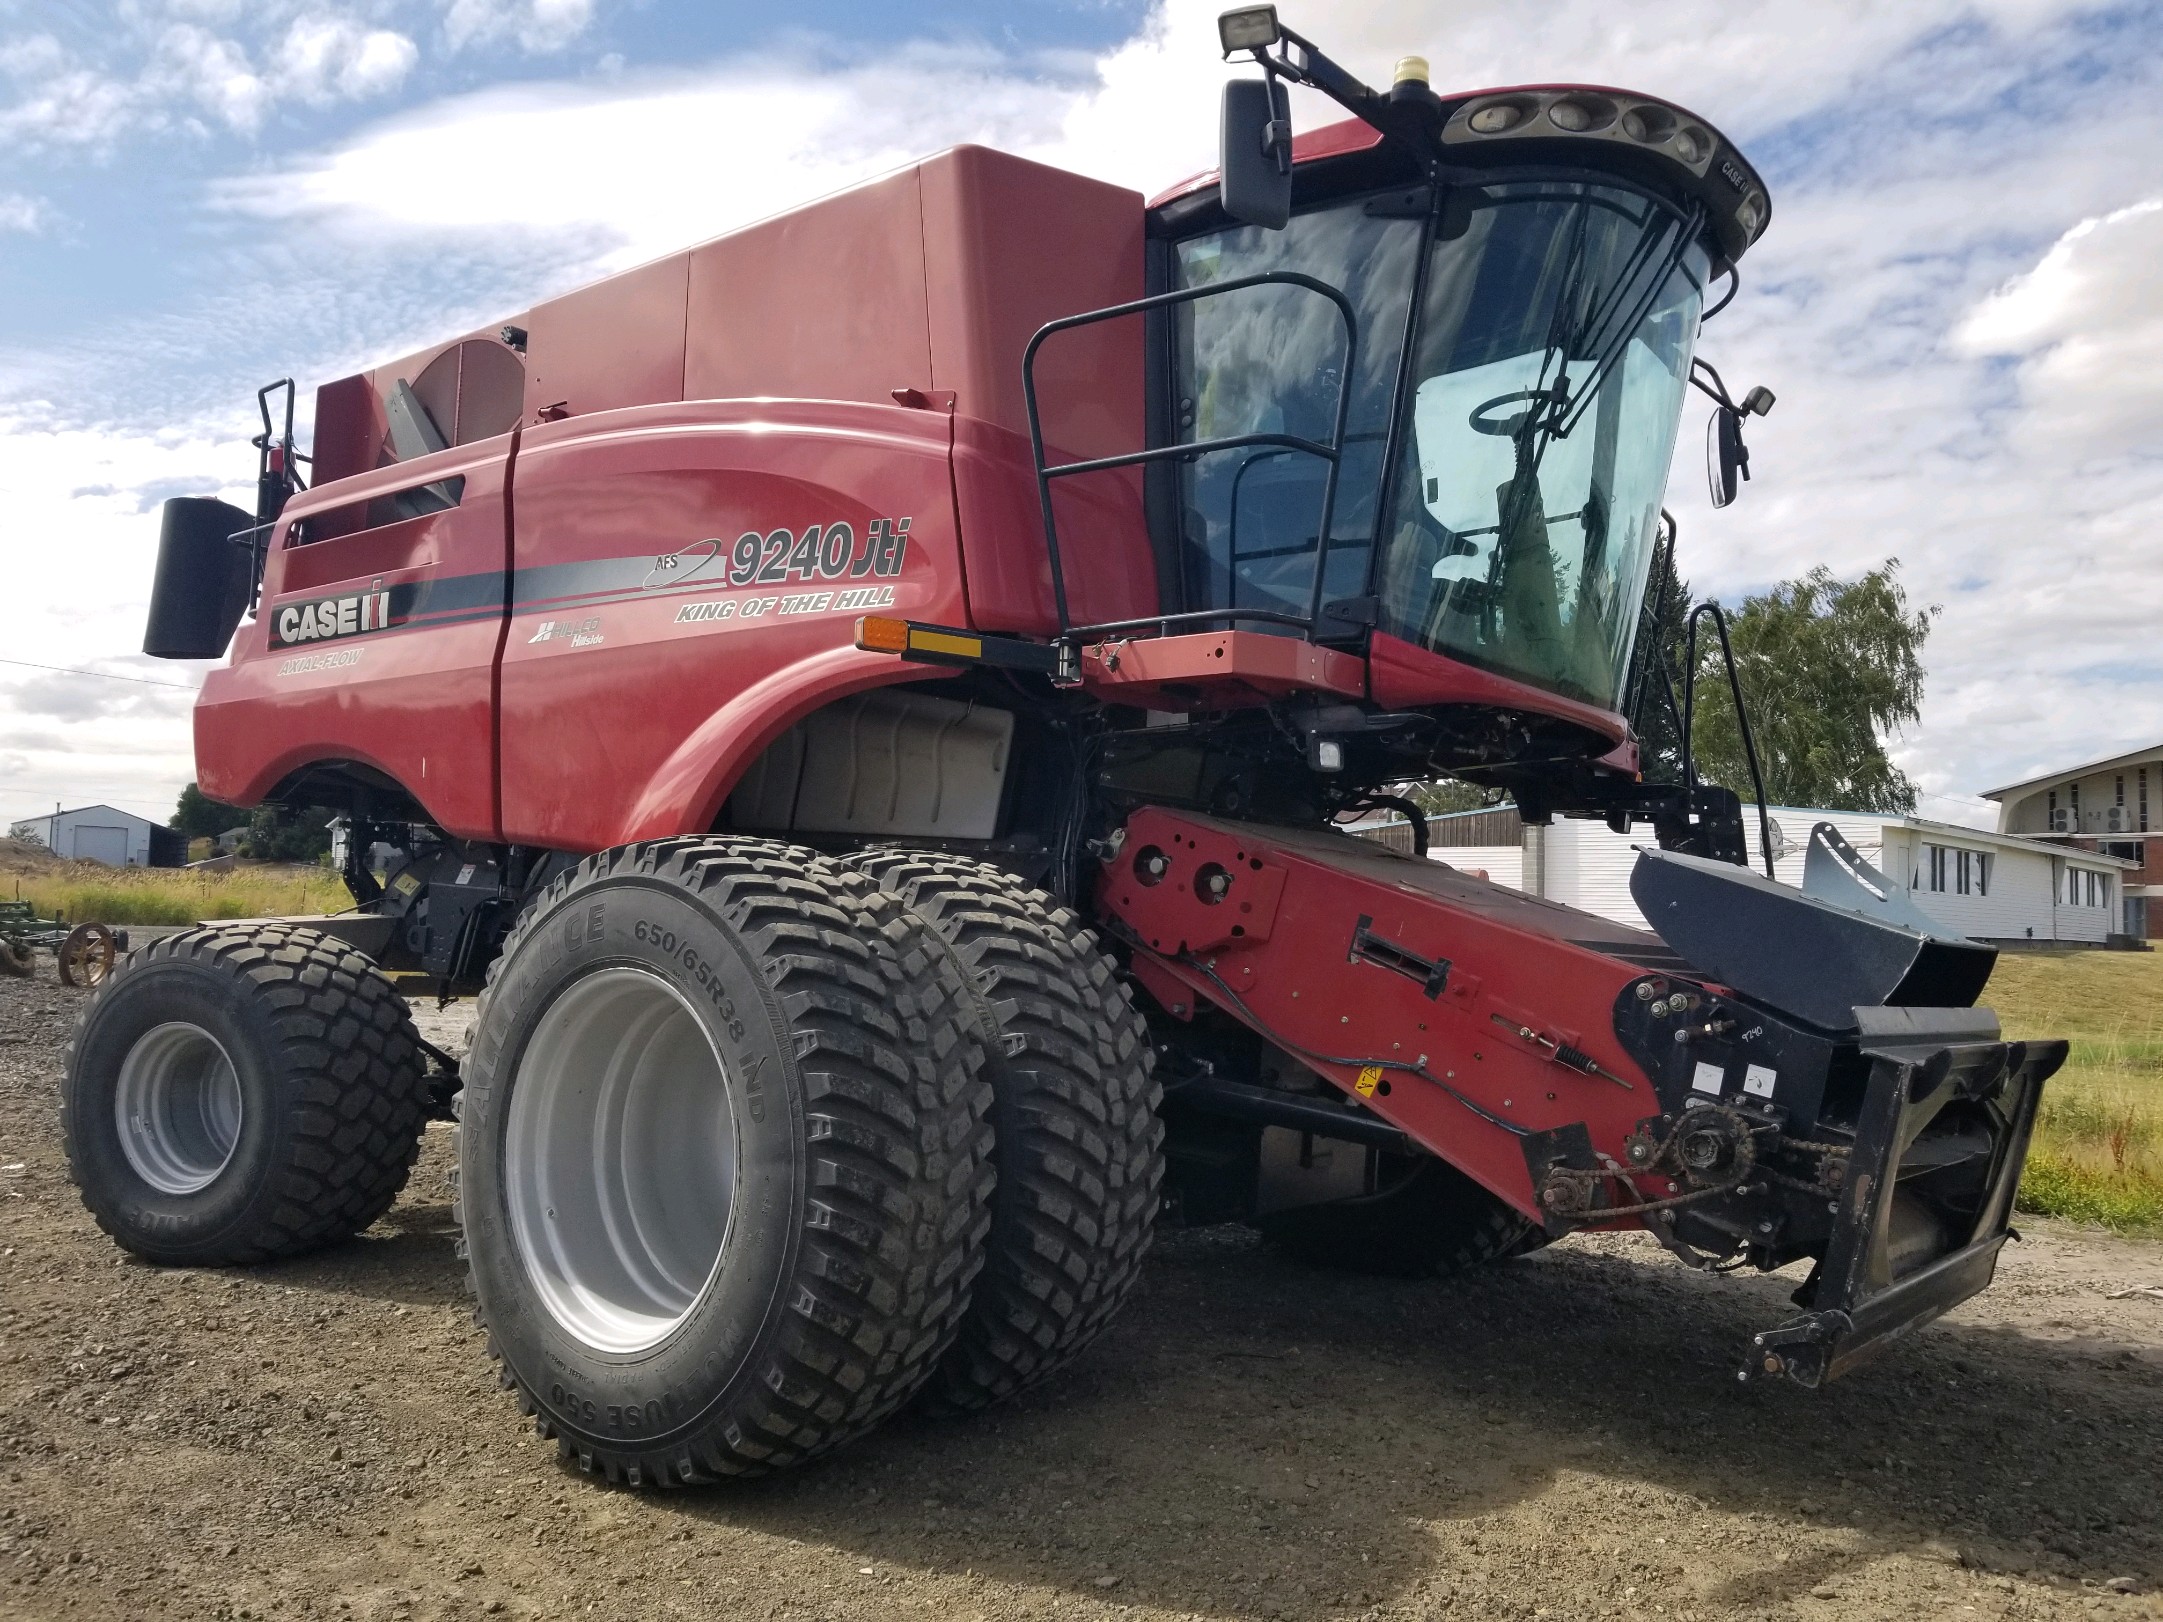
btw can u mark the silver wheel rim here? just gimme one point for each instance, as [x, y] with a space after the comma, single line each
[178, 1108]
[620, 1159]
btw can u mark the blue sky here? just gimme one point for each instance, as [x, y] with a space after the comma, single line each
[1960, 302]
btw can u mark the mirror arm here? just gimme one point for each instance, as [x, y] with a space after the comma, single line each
[1716, 390]
[1412, 118]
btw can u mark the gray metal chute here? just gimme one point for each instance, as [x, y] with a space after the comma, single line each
[1850, 938]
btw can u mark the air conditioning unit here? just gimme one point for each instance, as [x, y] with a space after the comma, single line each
[2118, 819]
[2065, 820]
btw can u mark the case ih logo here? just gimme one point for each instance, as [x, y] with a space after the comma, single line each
[329, 617]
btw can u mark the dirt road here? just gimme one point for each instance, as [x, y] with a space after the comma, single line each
[1561, 1437]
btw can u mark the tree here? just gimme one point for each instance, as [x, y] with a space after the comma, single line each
[1829, 669]
[277, 834]
[1659, 739]
[198, 816]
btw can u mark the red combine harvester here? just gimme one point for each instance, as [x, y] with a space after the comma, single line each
[866, 702]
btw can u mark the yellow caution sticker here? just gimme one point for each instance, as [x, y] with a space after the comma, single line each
[1369, 1079]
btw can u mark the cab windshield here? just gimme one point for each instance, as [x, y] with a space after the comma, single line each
[1549, 361]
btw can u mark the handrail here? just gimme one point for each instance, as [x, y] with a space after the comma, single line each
[1332, 452]
[1742, 720]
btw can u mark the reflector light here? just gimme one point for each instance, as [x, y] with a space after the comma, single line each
[1569, 115]
[878, 635]
[1692, 145]
[922, 640]
[1495, 118]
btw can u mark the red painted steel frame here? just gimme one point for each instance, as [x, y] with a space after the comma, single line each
[1276, 953]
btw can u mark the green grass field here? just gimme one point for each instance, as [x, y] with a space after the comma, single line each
[176, 896]
[2098, 1150]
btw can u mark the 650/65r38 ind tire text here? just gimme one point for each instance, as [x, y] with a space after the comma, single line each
[242, 1092]
[724, 1167]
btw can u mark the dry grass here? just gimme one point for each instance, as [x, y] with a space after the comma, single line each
[2098, 1151]
[84, 892]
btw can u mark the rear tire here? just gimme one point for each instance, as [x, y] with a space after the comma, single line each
[724, 1168]
[1079, 1145]
[1431, 1221]
[18, 962]
[241, 1092]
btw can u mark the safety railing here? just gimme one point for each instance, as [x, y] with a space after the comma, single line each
[1331, 452]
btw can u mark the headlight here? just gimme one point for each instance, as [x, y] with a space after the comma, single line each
[1496, 117]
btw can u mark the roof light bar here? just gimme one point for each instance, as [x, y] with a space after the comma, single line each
[1630, 121]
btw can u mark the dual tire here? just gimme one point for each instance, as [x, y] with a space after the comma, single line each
[757, 1145]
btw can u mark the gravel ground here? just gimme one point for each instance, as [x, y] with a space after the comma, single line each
[1561, 1436]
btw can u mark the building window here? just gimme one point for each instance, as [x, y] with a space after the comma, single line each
[2121, 790]
[1936, 854]
[2144, 799]
[1963, 864]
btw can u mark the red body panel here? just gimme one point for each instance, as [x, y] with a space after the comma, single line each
[1217, 670]
[1404, 676]
[637, 621]
[1274, 952]
[411, 699]
[789, 340]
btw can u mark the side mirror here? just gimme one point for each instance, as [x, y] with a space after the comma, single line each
[203, 580]
[1727, 458]
[1254, 165]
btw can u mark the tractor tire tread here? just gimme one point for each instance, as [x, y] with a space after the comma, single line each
[899, 1184]
[356, 1099]
[1080, 1142]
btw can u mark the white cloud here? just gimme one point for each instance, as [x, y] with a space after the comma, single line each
[649, 164]
[29, 215]
[537, 25]
[215, 72]
[155, 79]
[80, 547]
[330, 58]
[2086, 325]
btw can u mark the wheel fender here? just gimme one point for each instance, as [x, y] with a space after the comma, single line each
[685, 796]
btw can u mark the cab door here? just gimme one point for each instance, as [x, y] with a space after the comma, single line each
[377, 638]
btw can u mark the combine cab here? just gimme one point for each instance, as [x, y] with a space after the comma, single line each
[866, 703]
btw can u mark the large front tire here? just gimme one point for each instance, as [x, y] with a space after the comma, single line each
[241, 1092]
[724, 1164]
[1079, 1145]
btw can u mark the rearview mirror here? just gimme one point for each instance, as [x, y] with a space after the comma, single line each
[1254, 166]
[1727, 458]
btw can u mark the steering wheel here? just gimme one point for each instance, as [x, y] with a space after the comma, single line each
[1507, 427]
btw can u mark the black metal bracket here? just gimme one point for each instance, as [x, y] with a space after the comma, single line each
[1432, 974]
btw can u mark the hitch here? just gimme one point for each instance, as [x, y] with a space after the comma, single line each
[1916, 1234]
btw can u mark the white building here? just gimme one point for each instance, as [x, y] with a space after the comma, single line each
[2112, 806]
[97, 833]
[1988, 886]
